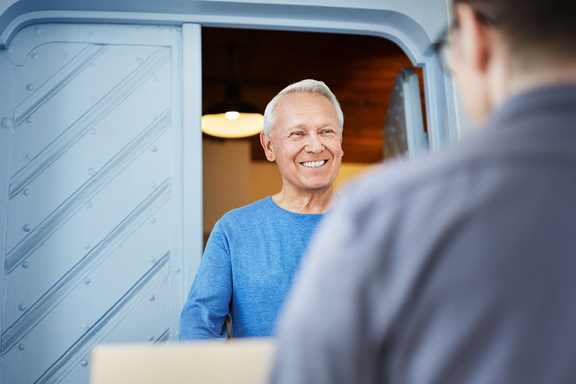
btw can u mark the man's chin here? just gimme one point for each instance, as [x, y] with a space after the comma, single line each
[318, 185]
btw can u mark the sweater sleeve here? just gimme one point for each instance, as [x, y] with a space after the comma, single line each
[204, 314]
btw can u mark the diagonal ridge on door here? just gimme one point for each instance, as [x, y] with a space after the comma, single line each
[81, 126]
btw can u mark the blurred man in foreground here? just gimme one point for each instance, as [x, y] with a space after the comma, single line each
[253, 252]
[460, 267]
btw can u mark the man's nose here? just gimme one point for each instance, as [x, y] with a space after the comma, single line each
[314, 144]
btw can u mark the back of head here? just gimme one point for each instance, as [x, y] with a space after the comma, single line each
[304, 86]
[539, 30]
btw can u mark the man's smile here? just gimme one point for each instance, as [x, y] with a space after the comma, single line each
[314, 164]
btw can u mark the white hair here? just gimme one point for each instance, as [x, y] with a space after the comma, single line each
[304, 86]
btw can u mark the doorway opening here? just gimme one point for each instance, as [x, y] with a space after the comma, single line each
[360, 70]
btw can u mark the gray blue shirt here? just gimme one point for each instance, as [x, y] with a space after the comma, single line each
[246, 272]
[458, 268]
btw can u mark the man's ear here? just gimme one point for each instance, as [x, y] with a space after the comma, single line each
[474, 40]
[267, 145]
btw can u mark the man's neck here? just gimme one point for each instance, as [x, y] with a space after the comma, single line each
[309, 202]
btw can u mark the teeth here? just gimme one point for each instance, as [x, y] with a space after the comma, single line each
[314, 164]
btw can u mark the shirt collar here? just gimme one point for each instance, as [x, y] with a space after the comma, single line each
[548, 100]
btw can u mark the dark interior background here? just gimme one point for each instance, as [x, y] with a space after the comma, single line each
[360, 70]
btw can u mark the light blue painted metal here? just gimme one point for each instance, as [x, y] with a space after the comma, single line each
[404, 127]
[6, 77]
[192, 160]
[437, 114]
[92, 199]
[413, 22]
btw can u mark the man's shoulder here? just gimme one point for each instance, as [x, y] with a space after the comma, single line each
[402, 176]
[248, 212]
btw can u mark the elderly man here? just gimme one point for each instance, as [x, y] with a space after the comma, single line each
[254, 251]
[460, 267]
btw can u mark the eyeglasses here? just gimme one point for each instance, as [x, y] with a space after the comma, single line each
[442, 44]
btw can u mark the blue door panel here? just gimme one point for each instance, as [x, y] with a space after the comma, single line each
[137, 326]
[93, 292]
[94, 210]
[93, 215]
[51, 141]
[42, 64]
[57, 107]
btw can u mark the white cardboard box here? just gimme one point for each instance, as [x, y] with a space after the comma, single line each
[245, 361]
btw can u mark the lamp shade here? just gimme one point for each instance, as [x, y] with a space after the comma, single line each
[233, 117]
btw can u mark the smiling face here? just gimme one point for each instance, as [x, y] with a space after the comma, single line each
[306, 142]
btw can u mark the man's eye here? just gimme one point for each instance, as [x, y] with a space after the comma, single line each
[327, 131]
[296, 134]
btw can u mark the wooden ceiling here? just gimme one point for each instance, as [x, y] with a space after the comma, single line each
[360, 70]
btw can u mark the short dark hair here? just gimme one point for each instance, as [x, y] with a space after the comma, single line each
[547, 26]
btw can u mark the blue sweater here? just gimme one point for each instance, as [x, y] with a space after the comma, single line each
[246, 272]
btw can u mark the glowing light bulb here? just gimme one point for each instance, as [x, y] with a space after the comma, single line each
[232, 115]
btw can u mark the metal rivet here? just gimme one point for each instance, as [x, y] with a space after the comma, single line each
[92, 65]
[25, 265]
[153, 148]
[22, 306]
[34, 56]
[92, 98]
[176, 269]
[151, 297]
[152, 185]
[153, 116]
[30, 87]
[150, 338]
[87, 246]
[21, 347]
[153, 260]
[88, 205]
[26, 228]
[139, 60]
[37, 31]
[90, 34]
[84, 326]
[29, 120]
[91, 171]
[154, 77]
[26, 192]
[84, 362]
[87, 280]
[28, 156]
[7, 122]
[66, 56]
[152, 220]
[93, 131]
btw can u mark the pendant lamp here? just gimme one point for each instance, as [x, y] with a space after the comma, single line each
[233, 117]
